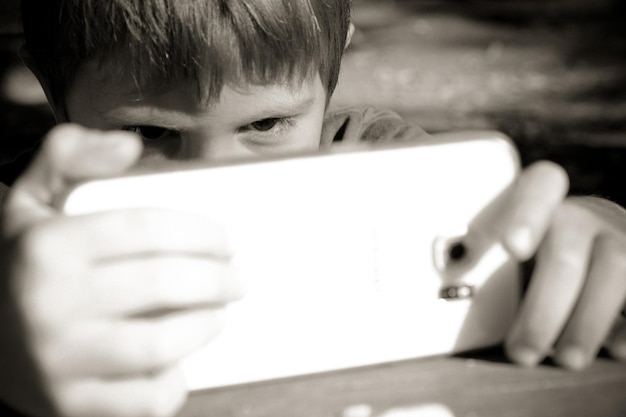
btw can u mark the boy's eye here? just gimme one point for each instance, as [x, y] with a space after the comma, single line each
[265, 124]
[269, 132]
[150, 132]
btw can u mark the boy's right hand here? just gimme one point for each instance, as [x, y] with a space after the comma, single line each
[98, 309]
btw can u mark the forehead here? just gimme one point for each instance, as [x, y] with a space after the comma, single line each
[205, 78]
[104, 89]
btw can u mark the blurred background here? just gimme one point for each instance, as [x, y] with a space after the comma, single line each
[549, 73]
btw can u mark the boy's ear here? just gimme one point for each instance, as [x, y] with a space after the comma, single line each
[349, 35]
[30, 64]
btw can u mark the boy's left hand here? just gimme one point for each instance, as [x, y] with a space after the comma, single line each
[577, 290]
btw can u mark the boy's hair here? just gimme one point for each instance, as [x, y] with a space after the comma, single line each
[206, 42]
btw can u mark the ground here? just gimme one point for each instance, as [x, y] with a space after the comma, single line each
[551, 74]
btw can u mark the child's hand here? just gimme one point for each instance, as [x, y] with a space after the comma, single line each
[96, 310]
[578, 287]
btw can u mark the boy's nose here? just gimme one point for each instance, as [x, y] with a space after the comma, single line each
[214, 148]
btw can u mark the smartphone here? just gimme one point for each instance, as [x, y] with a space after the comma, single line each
[352, 257]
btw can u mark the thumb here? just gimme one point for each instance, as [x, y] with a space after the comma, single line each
[69, 153]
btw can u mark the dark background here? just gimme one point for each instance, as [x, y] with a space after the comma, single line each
[551, 74]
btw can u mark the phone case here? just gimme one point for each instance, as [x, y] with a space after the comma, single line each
[351, 258]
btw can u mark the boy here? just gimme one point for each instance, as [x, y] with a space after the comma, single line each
[213, 80]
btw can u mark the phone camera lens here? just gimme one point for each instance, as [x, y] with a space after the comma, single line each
[457, 251]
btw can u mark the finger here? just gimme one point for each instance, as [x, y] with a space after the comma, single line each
[538, 194]
[131, 346]
[59, 258]
[599, 304]
[104, 237]
[161, 394]
[166, 282]
[69, 153]
[554, 289]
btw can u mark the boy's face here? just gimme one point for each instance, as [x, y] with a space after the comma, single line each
[245, 121]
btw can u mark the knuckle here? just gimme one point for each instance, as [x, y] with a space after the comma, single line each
[156, 350]
[128, 220]
[39, 319]
[143, 219]
[160, 292]
[69, 398]
[50, 359]
[34, 246]
[168, 395]
[63, 401]
[147, 222]
[615, 253]
[614, 247]
[570, 210]
[574, 220]
[162, 283]
[568, 261]
[33, 288]
[161, 396]
[565, 254]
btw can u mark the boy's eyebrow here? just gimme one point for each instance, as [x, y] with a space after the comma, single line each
[283, 108]
[146, 114]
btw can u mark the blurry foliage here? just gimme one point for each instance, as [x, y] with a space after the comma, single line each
[549, 73]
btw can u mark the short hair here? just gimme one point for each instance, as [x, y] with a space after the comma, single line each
[208, 42]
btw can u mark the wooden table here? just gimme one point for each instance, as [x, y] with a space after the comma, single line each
[482, 384]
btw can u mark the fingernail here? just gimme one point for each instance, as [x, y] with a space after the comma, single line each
[572, 357]
[357, 410]
[525, 356]
[520, 241]
[424, 410]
